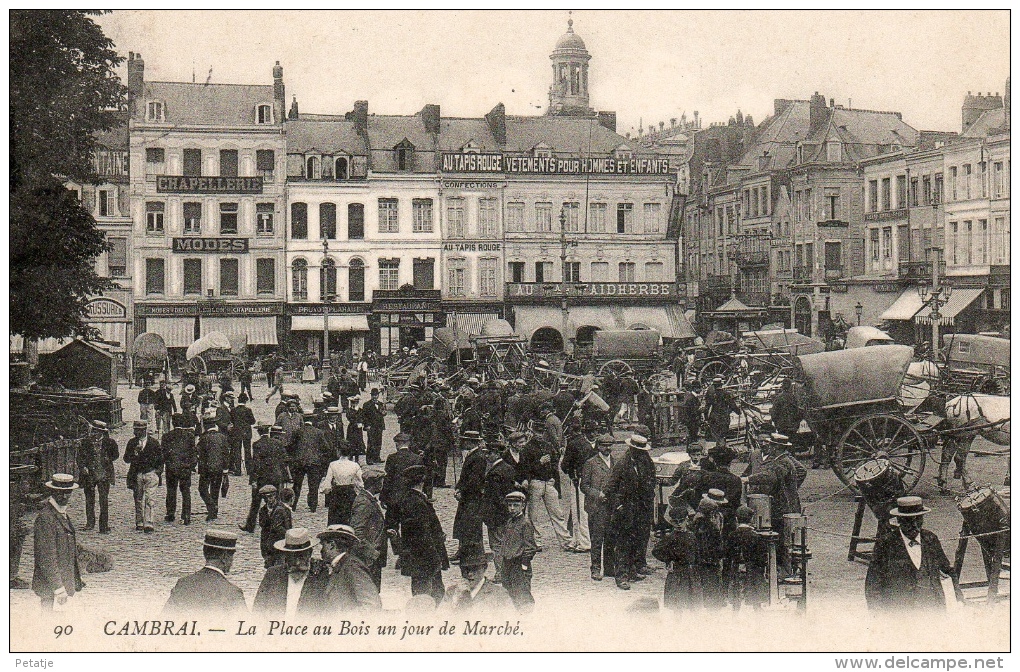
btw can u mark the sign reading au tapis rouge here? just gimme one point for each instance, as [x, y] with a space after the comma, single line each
[456, 162]
[211, 245]
[178, 184]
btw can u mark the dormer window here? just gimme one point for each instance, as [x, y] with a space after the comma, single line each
[264, 113]
[313, 168]
[340, 166]
[623, 153]
[833, 152]
[404, 155]
[471, 148]
[155, 111]
[542, 151]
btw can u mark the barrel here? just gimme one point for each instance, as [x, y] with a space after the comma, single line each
[762, 507]
[985, 511]
[879, 485]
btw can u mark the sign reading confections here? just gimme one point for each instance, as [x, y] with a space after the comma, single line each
[179, 184]
[455, 162]
[211, 245]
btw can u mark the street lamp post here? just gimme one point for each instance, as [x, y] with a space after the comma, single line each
[325, 306]
[563, 273]
[939, 296]
[859, 310]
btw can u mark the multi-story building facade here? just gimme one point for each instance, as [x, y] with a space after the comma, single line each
[363, 242]
[207, 197]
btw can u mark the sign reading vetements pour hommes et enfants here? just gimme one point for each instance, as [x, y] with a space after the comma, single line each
[454, 162]
[179, 184]
[211, 245]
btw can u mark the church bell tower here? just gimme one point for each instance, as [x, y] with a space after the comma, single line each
[568, 95]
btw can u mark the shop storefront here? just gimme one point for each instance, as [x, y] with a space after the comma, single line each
[404, 318]
[111, 317]
[346, 323]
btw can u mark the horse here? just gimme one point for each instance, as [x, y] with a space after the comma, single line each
[969, 416]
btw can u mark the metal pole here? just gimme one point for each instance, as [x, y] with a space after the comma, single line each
[323, 286]
[935, 289]
[563, 273]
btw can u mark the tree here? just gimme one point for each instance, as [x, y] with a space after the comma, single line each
[63, 89]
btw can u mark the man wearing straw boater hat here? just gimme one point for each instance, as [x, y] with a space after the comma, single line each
[145, 456]
[350, 586]
[630, 494]
[908, 564]
[208, 589]
[294, 588]
[57, 575]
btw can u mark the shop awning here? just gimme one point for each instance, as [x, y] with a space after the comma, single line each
[115, 332]
[258, 330]
[589, 316]
[529, 319]
[177, 332]
[46, 345]
[958, 300]
[469, 324]
[681, 324]
[336, 323]
[904, 307]
[669, 321]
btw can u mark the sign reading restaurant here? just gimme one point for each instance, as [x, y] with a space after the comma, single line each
[211, 245]
[455, 162]
[179, 184]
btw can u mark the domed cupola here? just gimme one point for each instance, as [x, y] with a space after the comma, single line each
[568, 94]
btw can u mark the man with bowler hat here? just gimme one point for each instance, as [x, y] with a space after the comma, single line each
[474, 593]
[268, 467]
[908, 563]
[181, 457]
[420, 540]
[594, 476]
[208, 590]
[374, 414]
[467, 522]
[57, 576]
[397, 461]
[213, 465]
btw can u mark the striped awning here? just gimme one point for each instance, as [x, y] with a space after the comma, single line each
[958, 300]
[258, 330]
[176, 332]
[113, 332]
[904, 307]
[469, 324]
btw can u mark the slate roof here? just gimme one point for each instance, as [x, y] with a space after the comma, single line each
[116, 137]
[989, 121]
[207, 104]
[457, 132]
[329, 137]
[387, 131]
[566, 135]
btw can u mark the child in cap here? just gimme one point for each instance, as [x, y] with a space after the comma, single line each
[747, 559]
[517, 549]
[679, 550]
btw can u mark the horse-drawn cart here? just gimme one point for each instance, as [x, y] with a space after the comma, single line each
[626, 351]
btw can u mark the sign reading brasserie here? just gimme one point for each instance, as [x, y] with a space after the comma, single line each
[178, 184]
[594, 289]
[472, 247]
[454, 162]
[103, 310]
[211, 245]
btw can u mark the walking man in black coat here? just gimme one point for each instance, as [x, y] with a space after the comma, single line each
[630, 493]
[208, 590]
[394, 486]
[145, 456]
[97, 473]
[268, 467]
[908, 563]
[213, 456]
[467, 523]
[374, 414]
[422, 542]
[241, 422]
[181, 456]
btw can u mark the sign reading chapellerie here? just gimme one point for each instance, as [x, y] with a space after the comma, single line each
[209, 308]
[179, 184]
[454, 162]
[211, 245]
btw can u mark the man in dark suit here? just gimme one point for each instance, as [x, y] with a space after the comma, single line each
[268, 467]
[394, 487]
[181, 456]
[57, 576]
[242, 420]
[275, 519]
[97, 473]
[295, 587]
[213, 456]
[306, 460]
[908, 563]
[630, 493]
[369, 522]
[350, 587]
[474, 593]
[422, 542]
[145, 456]
[374, 414]
[594, 476]
[499, 482]
[467, 522]
[208, 590]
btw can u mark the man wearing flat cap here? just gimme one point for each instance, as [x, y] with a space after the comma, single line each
[369, 522]
[295, 587]
[208, 590]
[350, 586]
[908, 564]
[275, 518]
[57, 576]
[779, 476]
[97, 474]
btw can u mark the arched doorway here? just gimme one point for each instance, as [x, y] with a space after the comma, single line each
[547, 339]
[586, 335]
[802, 315]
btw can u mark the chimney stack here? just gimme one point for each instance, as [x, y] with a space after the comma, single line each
[293, 114]
[430, 118]
[136, 79]
[818, 115]
[496, 119]
[279, 94]
[607, 120]
[672, 122]
[360, 116]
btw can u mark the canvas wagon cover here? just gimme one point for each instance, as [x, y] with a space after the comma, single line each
[214, 340]
[975, 349]
[497, 328]
[845, 377]
[149, 351]
[783, 340]
[626, 344]
[443, 342]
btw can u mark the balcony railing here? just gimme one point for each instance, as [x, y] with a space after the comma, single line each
[745, 258]
[754, 298]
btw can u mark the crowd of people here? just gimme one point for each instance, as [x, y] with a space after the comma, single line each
[509, 449]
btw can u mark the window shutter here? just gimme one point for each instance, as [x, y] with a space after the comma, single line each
[857, 256]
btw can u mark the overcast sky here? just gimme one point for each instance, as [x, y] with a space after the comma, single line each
[645, 65]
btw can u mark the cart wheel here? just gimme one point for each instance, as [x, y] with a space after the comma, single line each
[617, 367]
[710, 371]
[882, 435]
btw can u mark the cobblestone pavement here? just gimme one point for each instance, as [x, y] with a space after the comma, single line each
[147, 566]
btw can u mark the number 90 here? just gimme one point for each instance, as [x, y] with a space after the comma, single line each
[63, 630]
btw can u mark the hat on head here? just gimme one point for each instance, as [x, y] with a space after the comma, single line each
[722, 454]
[354, 397]
[275, 429]
[262, 428]
[267, 490]
[371, 471]
[140, 424]
[339, 533]
[471, 435]
[707, 506]
[327, 394]
[472, 379]
[62, 483]
[375, 392]
[717, 496]
[778, 439]
[473, 556]
[228, 393]
[907, 507]
[638, 441]
[515, 496]
[189, 388]
[402, 437]
[297, 540]
[414, 471]
[516, 436]
[605, 440]
[333, 409]
[100, 425]
[243, 399]
[221, 539]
